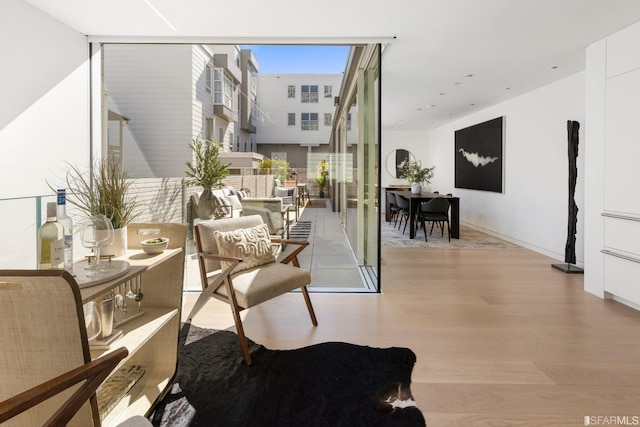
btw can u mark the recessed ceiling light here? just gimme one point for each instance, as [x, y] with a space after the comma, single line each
[507, 88]
[469, 75]
[457, 83]
[554, 67]
[472, 104]
[442, 93]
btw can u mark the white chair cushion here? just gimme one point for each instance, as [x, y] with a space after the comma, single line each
[253, 245]
[263, 283]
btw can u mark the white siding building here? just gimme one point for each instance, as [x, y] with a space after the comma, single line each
[169, 95]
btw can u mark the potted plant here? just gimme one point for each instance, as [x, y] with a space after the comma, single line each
[279, 168]
[104, 190]
[206, 170]
[417, 176]
[323, 176]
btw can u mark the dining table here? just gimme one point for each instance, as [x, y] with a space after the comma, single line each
[414, 204]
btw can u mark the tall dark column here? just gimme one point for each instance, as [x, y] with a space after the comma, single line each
[573, 128]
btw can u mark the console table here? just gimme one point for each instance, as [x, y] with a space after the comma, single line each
[414, 204]
[45, 335]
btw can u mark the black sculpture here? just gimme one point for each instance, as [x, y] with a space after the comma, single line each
[570, 248]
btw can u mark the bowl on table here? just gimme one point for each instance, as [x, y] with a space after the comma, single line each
[155, 246]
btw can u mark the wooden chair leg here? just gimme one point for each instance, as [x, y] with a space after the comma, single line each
[242, 340]
[235, 310]
[307, 300]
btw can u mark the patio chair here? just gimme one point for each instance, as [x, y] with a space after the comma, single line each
[273, 213]
[238, 266]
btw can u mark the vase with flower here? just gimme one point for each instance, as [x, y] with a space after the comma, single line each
[417, 176]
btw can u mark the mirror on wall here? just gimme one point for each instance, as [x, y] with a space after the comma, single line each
[395, 159]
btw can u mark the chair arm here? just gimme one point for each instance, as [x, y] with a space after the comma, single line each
[293, 256]
[94, 372]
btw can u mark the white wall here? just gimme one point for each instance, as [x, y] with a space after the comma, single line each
[44, 119]
[532, 211]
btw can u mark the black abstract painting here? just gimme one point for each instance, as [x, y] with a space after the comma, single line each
[479, 156]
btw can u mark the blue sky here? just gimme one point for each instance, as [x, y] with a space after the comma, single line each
[300, 59]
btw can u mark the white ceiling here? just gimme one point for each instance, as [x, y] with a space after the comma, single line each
[458, 56]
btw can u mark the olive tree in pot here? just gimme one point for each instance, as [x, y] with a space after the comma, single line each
[206, 170]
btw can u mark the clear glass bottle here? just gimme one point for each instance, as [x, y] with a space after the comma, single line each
[67, 225]
[51, 241]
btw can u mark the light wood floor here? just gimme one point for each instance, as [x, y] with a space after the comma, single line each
[501, 338]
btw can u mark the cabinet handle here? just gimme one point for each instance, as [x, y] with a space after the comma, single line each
[620, 216]
[619, 255]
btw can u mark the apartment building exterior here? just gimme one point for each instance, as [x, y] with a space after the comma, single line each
[296, 116]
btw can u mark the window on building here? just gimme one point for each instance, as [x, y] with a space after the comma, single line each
[208, 131]
[223, 89]
[291, 119]
[309, 93]
[309, 121]
[254, 113]
[221, 137]
[349, 121]
[327, 119]
[253, 81]
[327, 91]
[291, 91]
[207, 78]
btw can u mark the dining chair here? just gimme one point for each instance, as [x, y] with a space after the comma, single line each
[393, 206]
[404, 212]
[435, 211]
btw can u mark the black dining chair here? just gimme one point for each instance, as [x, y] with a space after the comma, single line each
[393, 207]
[435, 211]
[404, 212]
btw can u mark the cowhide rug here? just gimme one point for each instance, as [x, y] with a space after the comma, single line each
[328, 384]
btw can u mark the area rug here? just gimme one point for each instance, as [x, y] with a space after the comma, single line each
[300, 230]
[329, 384]
[469, 238]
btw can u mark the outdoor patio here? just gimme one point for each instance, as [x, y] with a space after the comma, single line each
[329, 256]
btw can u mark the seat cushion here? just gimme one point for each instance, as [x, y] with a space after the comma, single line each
[252, 244]
[262, 283]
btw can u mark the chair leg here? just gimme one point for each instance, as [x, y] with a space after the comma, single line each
[235, 310]
[242, 340]
[307, 300]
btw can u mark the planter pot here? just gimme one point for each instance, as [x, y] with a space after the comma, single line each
[207, 205]
[416, 188]
[119, 245]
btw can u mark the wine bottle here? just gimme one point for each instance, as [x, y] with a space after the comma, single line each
[67, 225]
[51, 241]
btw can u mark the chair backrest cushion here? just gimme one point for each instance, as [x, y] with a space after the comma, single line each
[253, 245]
[206, 242]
